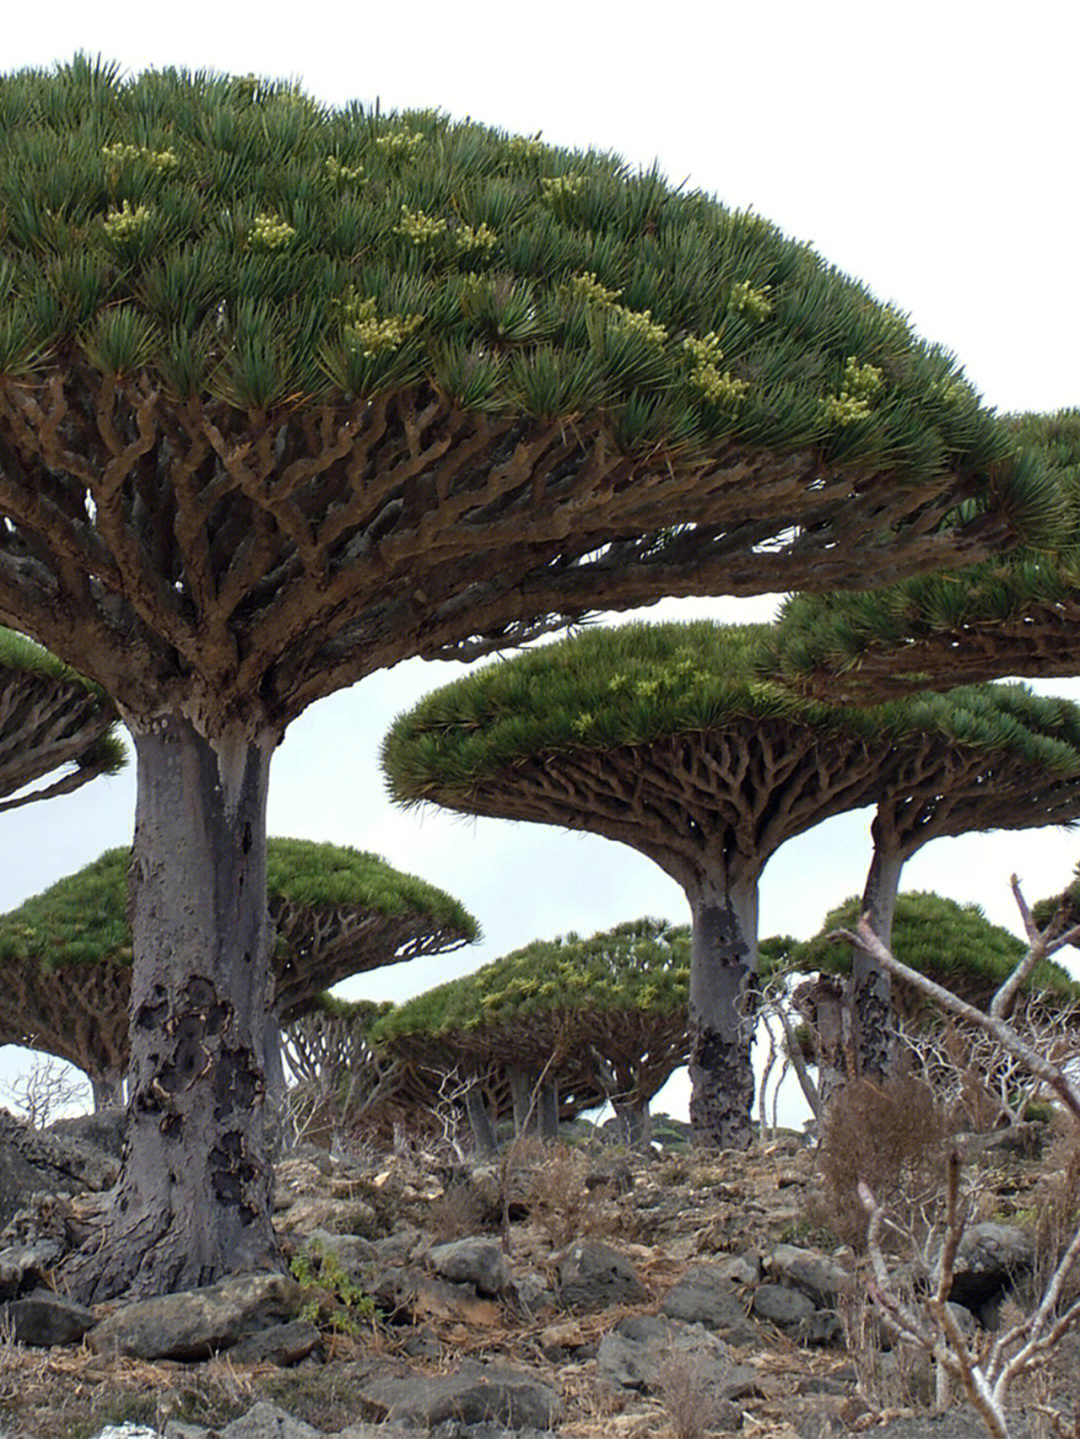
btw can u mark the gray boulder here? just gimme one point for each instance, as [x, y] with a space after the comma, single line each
[476, 1394]
[475, 1261]
[594, 1276]
[104, 1130]
[197, 1323]
[266, 1421]
[43, 1319]
[706, 1295]
[816, 1275]
[639, 1353]
[281, 1344]
[22, 1265]
[990, 1259]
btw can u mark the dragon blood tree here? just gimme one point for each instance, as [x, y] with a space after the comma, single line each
[290, 393]
[1010, 615]
[50, 718]
[953, 944]
[957, 947]
[1016, 765]
[571, 1019]
[67, 953]
[664, 737]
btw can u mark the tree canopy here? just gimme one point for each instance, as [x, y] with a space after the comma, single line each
[302, 360]
[50, 717]
[289, 393]
[665, 737]
[1015, 614]
[605, 1017]
[336, 912]
[953, 944]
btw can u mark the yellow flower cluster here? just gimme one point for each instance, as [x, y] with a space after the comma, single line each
[860, 388]
[631, 322]
[424, 229]
[705, 374]
[954, 392]
[123, 224]
[160, 160]
[588, 287]
[421, 229]
[340, 174]
[270, 232]
[745, 300]
[525, 147]
[374, 336]
[399, 144]
[482, 237]
[559, 187]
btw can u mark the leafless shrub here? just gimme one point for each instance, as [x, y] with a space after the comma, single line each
[988, 1366]
[887, 1134]
[691, 1403]
[47, 1090]
[558, 1199]
[457, 1213]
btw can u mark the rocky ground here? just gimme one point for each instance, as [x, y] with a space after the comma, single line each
[574, 1290]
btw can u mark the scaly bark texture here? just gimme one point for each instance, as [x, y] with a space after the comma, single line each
[193, 1202]
[870, 1024]
[722, 1012]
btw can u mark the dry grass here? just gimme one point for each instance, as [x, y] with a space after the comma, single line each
[888, 1134]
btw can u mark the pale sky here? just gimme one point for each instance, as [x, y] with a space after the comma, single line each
[927, 149]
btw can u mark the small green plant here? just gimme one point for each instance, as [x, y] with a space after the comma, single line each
[332, 1300]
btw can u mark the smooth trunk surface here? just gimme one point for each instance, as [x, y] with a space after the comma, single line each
[193, 1200]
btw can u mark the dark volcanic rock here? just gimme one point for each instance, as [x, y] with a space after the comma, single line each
[198, 1322]
[476, 1394]
[705, 1295]
[593, 1276]
[44, 1319]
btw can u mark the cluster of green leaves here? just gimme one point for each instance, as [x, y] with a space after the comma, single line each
[640, 966]
[953, 944]
[331, 1298]
[602, 689]
[21, 656]
[321, 876]
[819, 635]
[83, 919]
[242, 241]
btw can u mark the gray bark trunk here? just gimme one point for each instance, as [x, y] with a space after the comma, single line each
[108, 1091]
[522, 1083]
[193, 1200]
[873, 1035]
[723, 968]
[547, 1104]
[483, 1131]
[634, 1123]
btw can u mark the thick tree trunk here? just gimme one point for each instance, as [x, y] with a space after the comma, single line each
[634, 1123]
[108, 1091]
[193, 1200]
[522, 1097]
[723, 969]
[547, 1104]
[483, 1131]
[871, 1028]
